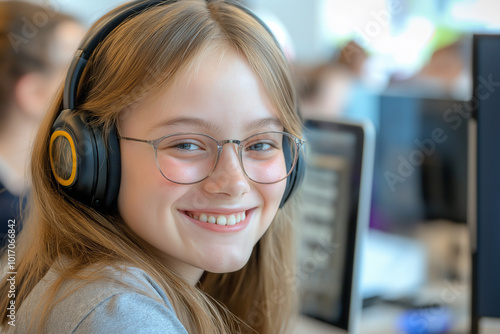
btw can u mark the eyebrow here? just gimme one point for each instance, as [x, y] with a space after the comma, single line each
[193, 121]
[263, 123]
[188, 121]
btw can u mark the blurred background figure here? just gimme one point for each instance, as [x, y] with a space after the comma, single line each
[36, 46]
[326, 88]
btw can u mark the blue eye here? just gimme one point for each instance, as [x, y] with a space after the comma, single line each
[187, 146]
[259, 147]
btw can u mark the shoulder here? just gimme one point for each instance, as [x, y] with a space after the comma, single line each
[130, 312]
[128, 302]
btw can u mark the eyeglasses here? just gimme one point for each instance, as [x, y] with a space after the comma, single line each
[188, 158]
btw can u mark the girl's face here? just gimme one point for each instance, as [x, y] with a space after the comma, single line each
[220, 96]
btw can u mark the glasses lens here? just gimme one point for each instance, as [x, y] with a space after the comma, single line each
[269, 157]
[186, 158]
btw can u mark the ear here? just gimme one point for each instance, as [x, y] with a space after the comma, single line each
[30, 94]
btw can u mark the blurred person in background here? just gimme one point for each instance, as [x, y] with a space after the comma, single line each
[326, 89]
[36, 46]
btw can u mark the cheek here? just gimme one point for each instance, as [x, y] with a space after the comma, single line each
[279, 191]
[272, 194]
[138, 168]
[141, 183]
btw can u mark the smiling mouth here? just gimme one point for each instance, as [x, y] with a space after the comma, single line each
[228, 220]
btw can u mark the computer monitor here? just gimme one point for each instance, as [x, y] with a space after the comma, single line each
[484, 183]
[420, 162]
[334, 216]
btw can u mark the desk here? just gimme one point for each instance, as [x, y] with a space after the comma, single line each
[312, 326]
[382, 318]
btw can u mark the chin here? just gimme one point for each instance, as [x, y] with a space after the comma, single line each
[227, 265]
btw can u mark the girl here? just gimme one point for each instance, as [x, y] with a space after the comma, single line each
[196, 239]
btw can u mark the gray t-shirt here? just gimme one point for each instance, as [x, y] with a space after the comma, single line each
[103, 306]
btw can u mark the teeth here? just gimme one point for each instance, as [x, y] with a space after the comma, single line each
[221, 219]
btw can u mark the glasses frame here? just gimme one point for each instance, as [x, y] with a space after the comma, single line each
[220, 145]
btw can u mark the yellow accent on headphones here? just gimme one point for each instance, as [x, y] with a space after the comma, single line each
[72, 177]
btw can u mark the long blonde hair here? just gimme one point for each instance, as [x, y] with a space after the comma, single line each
[140, 57]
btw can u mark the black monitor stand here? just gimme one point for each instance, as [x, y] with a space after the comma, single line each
[484, 181]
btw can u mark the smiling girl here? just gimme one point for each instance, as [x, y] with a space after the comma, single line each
[197, 111]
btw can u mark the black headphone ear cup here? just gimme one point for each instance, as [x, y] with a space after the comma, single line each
[81, 162]
[113, 169]
[295, 178]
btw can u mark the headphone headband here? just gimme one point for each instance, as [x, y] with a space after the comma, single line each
[92, 40]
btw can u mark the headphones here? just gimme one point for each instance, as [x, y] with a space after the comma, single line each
[85, 161]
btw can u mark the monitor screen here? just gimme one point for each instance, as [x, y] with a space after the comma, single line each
[329, 219]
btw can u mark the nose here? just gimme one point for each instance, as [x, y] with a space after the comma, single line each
[228, 179]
